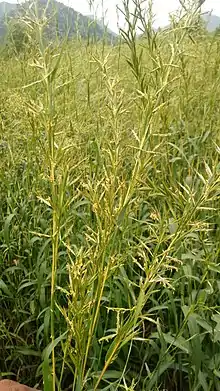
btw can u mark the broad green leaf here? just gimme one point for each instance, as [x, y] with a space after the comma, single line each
[6, 228]
[4, 288]
[203, 382]
[48, 350]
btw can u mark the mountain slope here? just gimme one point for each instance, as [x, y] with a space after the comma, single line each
[211, 21]
[6, 8]
[63, 20]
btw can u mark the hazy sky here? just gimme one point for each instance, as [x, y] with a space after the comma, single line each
[161, 8]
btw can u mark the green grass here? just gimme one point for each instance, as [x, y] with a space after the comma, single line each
[109, 219]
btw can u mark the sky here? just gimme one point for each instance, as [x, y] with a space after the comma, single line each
[161, 9]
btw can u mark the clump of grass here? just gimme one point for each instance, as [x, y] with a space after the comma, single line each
[110, 202]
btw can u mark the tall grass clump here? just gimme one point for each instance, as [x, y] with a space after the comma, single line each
[109, 221]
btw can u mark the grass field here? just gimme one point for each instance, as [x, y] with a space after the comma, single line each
[109, 218]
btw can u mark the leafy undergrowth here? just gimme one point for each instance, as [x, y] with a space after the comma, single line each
[109, 219]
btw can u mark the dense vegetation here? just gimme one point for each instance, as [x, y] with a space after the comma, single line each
[109, 218]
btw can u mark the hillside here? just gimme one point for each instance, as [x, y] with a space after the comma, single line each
[63, 20]
[6, 8]
[212, 21]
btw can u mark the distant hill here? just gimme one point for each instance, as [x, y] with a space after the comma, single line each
[211, 21]
[6, 8]
[63, 19]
